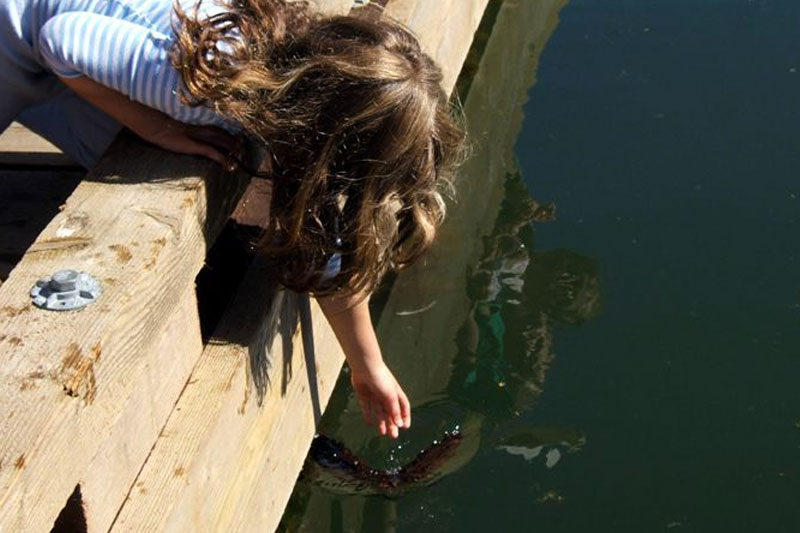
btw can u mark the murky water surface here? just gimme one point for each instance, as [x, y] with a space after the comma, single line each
[612, 317]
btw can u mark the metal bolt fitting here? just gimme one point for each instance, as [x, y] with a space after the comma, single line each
[65, 290]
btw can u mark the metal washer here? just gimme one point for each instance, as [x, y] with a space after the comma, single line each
[65, 290]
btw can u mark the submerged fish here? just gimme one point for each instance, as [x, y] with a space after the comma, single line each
[339, 469]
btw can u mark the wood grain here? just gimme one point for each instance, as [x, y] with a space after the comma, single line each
[139, 223]
[445, 29]
[107, 480]
[231, 450]
[332, 7]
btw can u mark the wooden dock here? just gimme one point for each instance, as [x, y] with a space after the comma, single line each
[127, 415]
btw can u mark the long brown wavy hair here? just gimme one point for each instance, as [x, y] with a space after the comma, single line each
[361, 135]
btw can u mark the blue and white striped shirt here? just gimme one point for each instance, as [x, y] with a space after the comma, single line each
[122, 44]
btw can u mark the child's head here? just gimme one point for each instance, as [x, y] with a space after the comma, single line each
[357, 124]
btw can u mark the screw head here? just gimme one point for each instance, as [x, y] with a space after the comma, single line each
[65, 290]
[64, 281]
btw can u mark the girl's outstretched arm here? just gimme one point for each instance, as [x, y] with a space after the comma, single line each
[154, 126]
[380, 396]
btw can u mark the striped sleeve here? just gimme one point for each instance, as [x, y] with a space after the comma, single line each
[108, 50]
[122, 55]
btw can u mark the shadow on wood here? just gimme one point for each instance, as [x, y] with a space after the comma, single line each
[28, 201]
[307, 329]
[72, 518]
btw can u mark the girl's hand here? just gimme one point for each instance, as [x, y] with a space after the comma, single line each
[381, 398]
[207, 141]
[157, 128]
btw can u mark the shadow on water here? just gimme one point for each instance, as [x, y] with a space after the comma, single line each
[469, 331]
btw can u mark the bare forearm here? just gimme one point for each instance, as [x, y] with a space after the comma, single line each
[350, 320]
[156, 127]
[137, 117]
[380, 396]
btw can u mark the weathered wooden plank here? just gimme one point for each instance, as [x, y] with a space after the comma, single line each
[291, 431]
[139, 223]
[107, 480]
[243, 421]
[173, 261]
[332, 7]
[20, 146]
[445, 29]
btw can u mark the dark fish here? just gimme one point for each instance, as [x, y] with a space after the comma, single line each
[338, 469]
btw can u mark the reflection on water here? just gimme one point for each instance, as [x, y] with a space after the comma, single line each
[499, 370]
[469, 332]
[667, 134]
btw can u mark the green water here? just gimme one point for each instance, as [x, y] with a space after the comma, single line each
[630, 361]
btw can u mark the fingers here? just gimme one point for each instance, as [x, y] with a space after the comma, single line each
[380, 416]
[206, 150]
[217, 137]
[405, 409]
[388, 414]
[219, 145]
[210, 142]
[387, 407]
[394, 410]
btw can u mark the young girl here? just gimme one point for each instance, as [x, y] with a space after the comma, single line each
[357, 128]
